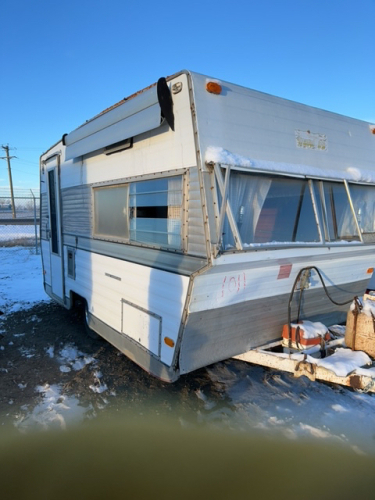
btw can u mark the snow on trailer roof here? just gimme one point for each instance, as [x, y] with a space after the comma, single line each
[224, 157]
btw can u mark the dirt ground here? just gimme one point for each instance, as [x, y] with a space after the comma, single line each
[30, 342]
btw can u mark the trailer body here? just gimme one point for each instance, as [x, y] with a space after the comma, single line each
[182, 215]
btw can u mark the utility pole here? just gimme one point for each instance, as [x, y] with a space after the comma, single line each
[8, 158]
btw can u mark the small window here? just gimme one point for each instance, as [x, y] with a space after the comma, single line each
[155, 212]
[111, 218]
[363, 198]
[340, 219]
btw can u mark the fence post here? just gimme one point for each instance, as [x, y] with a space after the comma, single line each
[35, 225]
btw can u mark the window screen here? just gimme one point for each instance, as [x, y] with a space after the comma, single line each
[155, 212]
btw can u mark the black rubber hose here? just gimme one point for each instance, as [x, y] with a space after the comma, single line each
[292, 293]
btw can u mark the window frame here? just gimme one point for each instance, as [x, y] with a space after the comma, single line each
[221, 180]
[139, 179]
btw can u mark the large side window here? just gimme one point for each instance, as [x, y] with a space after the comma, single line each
[155, 208]
[340, 219]
[270, 210]
[363, 198]
[111, 218]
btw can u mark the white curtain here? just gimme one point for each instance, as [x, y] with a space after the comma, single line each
[364, 205]
[246, 196]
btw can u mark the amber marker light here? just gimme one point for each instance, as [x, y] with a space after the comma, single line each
[370, 270]
[213, 88]
[169, 342]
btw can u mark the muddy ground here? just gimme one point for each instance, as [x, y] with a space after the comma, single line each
[30, 343]
[53, 375]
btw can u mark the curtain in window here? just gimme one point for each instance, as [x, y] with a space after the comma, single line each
[340, 216]
[246, 197]
[363, 198]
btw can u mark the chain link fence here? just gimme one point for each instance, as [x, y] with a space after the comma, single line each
[19, 218]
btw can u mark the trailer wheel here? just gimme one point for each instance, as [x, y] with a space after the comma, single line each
[91, 333]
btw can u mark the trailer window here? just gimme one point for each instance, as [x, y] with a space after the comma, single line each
[340, 219]
[270, 210]
[111, 212]
[155, 212]
[363, 198]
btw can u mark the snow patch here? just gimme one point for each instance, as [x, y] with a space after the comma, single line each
[343, 361]
[316, 432]
[339, 408]
[311, 329]
[73, 359]
[25, 287]
[51, 352]
[55, 410]
[220, 155]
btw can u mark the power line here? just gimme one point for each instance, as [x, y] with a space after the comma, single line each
[21, 160]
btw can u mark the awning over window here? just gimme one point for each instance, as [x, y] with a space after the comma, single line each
[133, 117]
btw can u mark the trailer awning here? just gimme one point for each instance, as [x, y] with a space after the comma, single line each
[132, 117]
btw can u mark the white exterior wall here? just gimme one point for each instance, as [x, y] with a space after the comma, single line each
[263, 127]
[158, 292]
[152, 152]
[244, 277]
[105, 282]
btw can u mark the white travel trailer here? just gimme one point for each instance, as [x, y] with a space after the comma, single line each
[182, 215]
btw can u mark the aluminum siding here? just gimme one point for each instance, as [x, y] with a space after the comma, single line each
[77, 210]
[241, 302]
[196, 236]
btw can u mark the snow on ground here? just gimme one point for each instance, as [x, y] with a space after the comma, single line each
[15, 232]
[21, 279]
[55, 411]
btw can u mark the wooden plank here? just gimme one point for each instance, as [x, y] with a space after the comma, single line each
[295, 364]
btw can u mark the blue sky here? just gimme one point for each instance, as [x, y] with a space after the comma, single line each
[63, 62]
